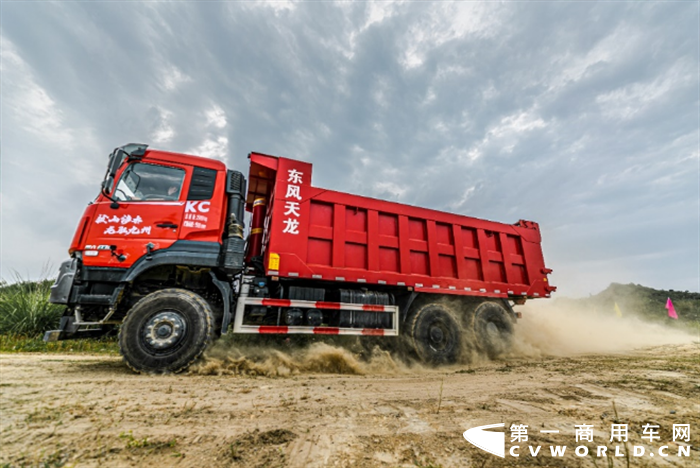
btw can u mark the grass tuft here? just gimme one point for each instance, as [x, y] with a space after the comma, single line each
[35, 344]
[26, 313]
[25, 309]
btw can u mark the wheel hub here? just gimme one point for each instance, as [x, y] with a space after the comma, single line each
[436, 335]
[165, 330]
[492, 330]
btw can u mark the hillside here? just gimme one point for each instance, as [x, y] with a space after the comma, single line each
[640, 301]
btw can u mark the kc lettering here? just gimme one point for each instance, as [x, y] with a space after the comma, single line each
[197, 207]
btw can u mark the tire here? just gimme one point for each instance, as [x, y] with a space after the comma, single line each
[436, 334]
[493, 328]
[166, 331]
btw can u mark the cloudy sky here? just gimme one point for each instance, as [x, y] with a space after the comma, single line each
[582, 116]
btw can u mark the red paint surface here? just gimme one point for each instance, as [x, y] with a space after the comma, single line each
[326, 331]
[272, 329]
[277, 302]
[328, 305]
[339, 235]
[150, 214]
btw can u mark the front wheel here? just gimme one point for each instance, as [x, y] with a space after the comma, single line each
[436, 335]
[166, 331]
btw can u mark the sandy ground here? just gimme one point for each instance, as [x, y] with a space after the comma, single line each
[323, 406]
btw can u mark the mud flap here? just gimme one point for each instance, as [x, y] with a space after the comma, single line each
[60, 290]
[225, 290]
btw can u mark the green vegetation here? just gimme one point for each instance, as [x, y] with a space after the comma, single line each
[646, 303]
[146, 446]
[36, 344]
[26, 313]
[25, 309]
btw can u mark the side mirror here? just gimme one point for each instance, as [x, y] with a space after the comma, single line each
[107, 184]
[106, 188]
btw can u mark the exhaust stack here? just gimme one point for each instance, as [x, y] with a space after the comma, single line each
[234, 243]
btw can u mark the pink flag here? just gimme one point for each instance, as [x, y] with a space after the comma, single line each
[671, 309]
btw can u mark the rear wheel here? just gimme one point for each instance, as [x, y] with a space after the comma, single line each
[493, 327]
[166, 331]
[436, 335]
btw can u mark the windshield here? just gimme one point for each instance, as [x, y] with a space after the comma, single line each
[142, 181]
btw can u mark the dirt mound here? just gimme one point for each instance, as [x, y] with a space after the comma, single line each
[263, 449]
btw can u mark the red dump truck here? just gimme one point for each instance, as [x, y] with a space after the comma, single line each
[162, 253]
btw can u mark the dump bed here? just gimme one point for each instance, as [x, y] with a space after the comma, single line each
[323, 234]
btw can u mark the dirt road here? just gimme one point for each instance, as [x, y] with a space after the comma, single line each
[91, 411]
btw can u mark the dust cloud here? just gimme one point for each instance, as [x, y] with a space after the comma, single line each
[549, 328]
[292, 357]
[545, 329]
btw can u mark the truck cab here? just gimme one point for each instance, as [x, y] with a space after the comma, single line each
[159, 222]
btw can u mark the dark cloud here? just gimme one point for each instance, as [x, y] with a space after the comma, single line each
[581, 116]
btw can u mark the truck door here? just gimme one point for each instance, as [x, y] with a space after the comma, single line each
[149, 216]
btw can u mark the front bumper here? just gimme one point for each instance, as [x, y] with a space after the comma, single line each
[69, 330]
